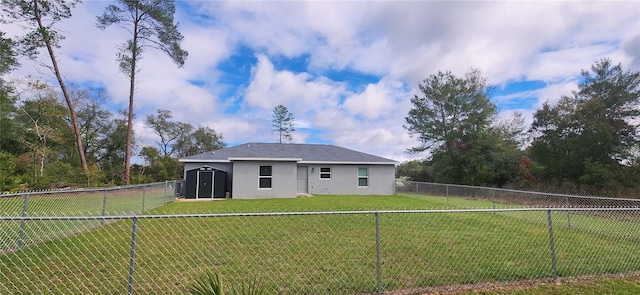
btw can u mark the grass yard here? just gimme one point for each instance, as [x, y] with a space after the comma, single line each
[324, 254]
[90, 202]
[70, 203]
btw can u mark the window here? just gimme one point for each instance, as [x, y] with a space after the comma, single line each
[265, 177]
[325, 173]
[363, 177]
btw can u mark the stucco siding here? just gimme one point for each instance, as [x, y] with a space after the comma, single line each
[246, 180]
[344, 180]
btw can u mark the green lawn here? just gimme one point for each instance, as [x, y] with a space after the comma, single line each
[85, 202]
[322, 254]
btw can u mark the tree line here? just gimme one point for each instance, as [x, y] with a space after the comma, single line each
[149, 23]
[587, 142]
[37, 146]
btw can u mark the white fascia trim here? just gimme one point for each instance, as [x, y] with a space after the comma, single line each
[202, 161]
[267, 159]
[347, 163]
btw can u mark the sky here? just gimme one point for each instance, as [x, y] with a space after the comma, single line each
[346, 70]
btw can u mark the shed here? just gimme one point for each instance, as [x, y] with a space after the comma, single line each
[205, 183]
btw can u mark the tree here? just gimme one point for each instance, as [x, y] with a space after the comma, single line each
[451, 107]
[112, 158]
[151, 25]
[8, 128]
[610, 105]
[158, 167]
[282, 122]
[47, 129]
[414, 170]
[41, 16]
[168, 131]
[452, 121]
[93, 118]
[586, 138]
[8, 56]
[203, 139]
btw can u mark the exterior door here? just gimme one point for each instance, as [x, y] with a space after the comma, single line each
[303, 179]
[205, 184]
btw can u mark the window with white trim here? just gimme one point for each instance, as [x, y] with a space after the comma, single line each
[265, 177]
[325, 173]
[363, 177]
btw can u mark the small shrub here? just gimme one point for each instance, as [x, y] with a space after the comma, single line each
[209, 284]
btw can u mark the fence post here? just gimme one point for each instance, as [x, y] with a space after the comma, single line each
[164, 197]
[553, 246]
[104, 206]
[378, 266]
[144, 192]
[132, 254]
[23, 222]
[568, 212]
[493, 199]
[447, 188]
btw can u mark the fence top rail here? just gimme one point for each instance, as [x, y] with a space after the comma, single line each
[527, 192]
[78, 190]
[262, 214]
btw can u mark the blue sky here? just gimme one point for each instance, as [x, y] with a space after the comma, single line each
[347, 69]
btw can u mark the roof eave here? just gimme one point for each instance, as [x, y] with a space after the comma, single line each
[203, 161]
[264, 159]
[349, 162]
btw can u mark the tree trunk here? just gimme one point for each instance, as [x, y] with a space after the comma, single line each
[132, 81]
[65, 92]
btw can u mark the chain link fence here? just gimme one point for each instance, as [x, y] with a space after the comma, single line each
[92, 201]
[103, 202]
[456, 195]
[349, 252]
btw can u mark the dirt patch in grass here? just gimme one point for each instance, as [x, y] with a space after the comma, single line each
[506, 287]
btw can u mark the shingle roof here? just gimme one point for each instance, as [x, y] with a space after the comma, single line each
[305, 152]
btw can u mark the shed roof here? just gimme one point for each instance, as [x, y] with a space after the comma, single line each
[303, 153]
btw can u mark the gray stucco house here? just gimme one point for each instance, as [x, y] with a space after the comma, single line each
[274, 170]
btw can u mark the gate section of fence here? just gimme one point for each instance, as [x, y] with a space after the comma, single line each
[355, 252]
[499, 197]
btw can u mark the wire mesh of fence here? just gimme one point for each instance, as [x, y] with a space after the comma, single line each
[356, 252]
[97, 201]
[456, 195]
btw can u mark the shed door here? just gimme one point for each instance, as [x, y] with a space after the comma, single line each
[205, 184]
[303, 179]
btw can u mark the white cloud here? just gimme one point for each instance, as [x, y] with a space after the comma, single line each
[400, 41]
[269, 88]
[376, 101]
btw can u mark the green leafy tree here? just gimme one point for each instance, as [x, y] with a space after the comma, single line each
[452, 120]
[151, 25]
[112, 159]
[8, 128]
[414, 170]
[93, 118]
[203, 139]
[46, 127]
[8, 55]
[587, 138]
[168, 131]
[158, 167]
[282, 122]
[609, 99]
[449, 108]
[39, 17]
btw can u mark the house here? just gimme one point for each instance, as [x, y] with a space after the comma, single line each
[275, 170]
